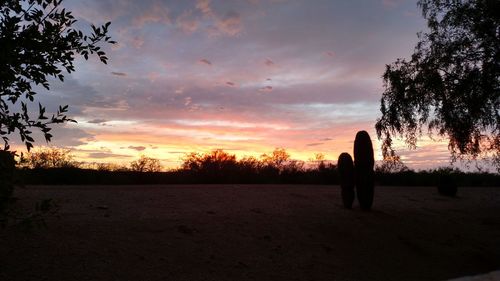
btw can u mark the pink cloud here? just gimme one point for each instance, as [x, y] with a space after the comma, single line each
[186, 22]
[330, 54]
[205, 61]
[157, 13]
[137, 42]
[268, 62]
[230, 24]
[204, 7]
[266, 89]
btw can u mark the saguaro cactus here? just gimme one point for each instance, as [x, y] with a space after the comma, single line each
[363, 163]
[346, 171]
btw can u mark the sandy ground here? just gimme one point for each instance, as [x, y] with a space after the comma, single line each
[253, 232]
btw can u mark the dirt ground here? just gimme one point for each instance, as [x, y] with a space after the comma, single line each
[252, 232]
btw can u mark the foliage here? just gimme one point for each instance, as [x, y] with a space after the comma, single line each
[38, 41]
[218, 166]
[451, 84]
[105, 167]
[249, 170]
[216, 160]
[277, 159]
[46, 158]
[145, 164]
[391, 164]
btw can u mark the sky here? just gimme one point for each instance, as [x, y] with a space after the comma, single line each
[245, 76]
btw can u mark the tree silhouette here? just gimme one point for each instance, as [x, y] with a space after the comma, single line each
[38, 41]
[146, 164]
[277, 159]
[48, 158]
[450, 84]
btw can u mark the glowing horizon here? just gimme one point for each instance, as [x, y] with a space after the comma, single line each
[243, 76]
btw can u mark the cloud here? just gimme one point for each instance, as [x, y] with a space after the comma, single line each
[205, 61]
[268, 62]
[314, 144]
[266, 89]
[311, 98]
[100, 155]
[138, 148]
[137, 42]
[118, 73]
[97, 121]
[204, 7]
[186, 22]
[230, 24]
[157, 13]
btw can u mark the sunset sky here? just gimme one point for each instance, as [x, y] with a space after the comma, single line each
[243, 76]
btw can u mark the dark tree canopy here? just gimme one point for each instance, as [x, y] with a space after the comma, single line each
[37, 42]
[450, 86]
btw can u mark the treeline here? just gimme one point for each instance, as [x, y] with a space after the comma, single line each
[220, 167]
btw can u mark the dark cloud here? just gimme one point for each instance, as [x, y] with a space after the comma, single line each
[230, 83]
[107, 155]
[97, 121]
[205, 61]
[326, 139]
[266, 89]
[119, 73]
[330, 54]
[138, 148]
[64, 135]
[314, 144]
[268, 62]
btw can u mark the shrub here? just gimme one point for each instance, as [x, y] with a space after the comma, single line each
[146, 164]
[50, 157]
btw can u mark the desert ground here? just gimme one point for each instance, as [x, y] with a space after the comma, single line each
[252, 232]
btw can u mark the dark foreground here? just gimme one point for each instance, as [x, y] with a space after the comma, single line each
[252, 232]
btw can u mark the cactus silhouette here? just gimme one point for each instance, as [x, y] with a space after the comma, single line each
[347, 181]
[363, 163]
